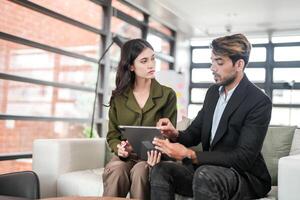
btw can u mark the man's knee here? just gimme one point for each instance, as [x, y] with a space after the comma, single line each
[160, 172]
[205, 175]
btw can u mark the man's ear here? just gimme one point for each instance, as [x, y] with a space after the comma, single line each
[240, 64]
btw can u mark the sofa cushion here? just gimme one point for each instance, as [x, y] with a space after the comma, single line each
[276, 145]
[81, 183]
[295, 148]
[184, 123]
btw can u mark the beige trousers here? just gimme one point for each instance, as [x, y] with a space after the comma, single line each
[121, 177]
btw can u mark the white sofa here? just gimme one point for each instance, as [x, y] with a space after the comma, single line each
[73, 167]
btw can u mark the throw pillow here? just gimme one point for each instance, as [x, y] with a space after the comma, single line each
[295, 149]
[276, 145]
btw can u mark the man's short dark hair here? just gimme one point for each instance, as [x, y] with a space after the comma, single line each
[234, 46]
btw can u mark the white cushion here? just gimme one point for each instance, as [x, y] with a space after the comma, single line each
[288, 178]
[295, 148]
[54, 157]
[81, 183]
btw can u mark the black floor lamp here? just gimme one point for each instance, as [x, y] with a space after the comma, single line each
[118, 40]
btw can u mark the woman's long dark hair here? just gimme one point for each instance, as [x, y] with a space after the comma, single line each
[125, 77]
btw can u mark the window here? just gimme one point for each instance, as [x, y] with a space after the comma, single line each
[38, 64]
[285, 116]
[128, 10]
[44, 29]
[287, 53]
[198, 95]
[159, 27]
[256, 74]
[160, 45]
[286, 74]
[125, 29]
[286, 96]
[74, 10]
[201, 55]
[258, 54]
[193, 110]
[284, 39]
[202, 75]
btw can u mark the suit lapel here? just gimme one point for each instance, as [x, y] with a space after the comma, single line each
[236, 99]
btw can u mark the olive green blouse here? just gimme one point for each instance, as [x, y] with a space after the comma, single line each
[124, 110]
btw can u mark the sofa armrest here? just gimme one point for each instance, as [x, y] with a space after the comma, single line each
[288, 178]
[53, 157]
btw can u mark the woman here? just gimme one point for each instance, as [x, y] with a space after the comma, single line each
[137, 100]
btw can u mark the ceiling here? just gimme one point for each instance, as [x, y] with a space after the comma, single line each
[205, 18]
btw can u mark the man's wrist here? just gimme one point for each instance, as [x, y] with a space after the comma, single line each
[192, 155]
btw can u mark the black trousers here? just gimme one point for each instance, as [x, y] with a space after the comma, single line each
[207, 182]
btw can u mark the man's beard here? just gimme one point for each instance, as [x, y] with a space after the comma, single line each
[228, 80]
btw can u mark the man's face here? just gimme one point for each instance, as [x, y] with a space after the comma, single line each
[223, 69]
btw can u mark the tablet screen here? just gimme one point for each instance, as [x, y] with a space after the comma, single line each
[140, 138]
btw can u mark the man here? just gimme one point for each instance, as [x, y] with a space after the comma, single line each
[231, 127]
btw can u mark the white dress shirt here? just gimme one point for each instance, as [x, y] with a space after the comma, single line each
[220, 107]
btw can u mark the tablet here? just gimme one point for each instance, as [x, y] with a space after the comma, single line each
[140, 138]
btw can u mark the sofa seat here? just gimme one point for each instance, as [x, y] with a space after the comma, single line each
[81, 183]
[89, 183]
[74, 167]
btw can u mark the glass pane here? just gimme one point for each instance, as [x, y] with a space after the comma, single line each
[286, 96]
[201, 55]
[159, 27]
[258, 40]
[202, 75]
[18, 136]
[201, 41]
[19, 98]
[47, 30]
[258, 54]
[283, 39]
[161, 65]
[286, 74]
[160, 45]
[39, 64]
[198, 95]
[124, 29]
[128, 10]
[256, 74]
[115, 53]
[76, 10]
[285, 116]
[193, 110]
[287, 53]
[7, 166]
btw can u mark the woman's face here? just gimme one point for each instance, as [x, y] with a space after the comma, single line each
[144, 65]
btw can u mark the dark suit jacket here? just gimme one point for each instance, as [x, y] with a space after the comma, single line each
[239, 136]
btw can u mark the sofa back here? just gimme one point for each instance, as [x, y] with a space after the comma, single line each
[277, 144]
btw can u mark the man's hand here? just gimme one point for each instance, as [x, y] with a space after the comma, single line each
[153, 157]
[167, 128]
[124, 149]
[173, 150]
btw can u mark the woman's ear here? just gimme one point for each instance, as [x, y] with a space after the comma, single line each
[131, 68]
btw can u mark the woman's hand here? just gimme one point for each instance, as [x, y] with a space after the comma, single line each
[124, 149]
[153, 157]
